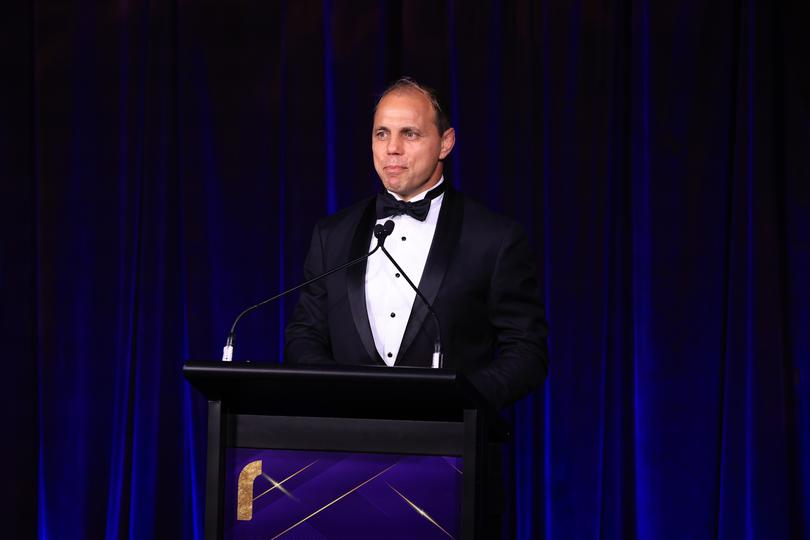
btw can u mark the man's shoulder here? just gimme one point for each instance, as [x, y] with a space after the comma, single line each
[478, 214]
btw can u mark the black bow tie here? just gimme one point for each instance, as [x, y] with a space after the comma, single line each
[390, 206]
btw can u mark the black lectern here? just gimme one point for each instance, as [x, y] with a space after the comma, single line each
[358, 409]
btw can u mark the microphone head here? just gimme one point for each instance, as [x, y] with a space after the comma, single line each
[381, 232]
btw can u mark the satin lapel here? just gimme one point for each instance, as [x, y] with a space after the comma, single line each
[356, 281]
[445, 240]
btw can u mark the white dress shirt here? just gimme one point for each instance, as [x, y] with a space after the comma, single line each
[389, 298]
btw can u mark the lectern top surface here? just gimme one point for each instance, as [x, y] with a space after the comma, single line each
[366, 391]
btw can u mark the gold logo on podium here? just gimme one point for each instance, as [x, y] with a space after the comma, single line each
[244, 493]
[244, 488]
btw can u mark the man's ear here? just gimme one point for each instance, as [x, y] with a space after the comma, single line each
[448, 141]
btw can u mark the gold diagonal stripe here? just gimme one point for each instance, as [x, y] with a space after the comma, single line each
[319, 510]
[420, 511]
[278, 484]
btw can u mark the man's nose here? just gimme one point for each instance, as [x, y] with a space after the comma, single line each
[394, 145]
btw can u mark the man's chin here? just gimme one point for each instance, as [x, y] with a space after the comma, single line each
[394, 185]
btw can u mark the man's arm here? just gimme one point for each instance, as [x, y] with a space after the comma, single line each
[517, 315]
[307, 335]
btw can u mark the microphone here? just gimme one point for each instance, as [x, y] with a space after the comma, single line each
[381, 232]
[438, 357]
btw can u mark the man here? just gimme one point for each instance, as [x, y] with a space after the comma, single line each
[472, 265]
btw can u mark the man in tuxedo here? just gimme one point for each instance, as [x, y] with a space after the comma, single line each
[471, 264]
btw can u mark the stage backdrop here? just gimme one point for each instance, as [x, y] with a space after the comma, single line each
[162, 165]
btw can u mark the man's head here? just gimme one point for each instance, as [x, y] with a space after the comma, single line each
[410, 137]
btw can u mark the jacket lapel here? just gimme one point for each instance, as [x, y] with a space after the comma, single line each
[356, 280]
[442, 248]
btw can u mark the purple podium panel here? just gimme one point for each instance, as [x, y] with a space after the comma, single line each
[307, 495]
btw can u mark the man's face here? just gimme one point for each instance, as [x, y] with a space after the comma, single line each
[406, 144]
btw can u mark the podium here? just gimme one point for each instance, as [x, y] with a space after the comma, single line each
[363, 409]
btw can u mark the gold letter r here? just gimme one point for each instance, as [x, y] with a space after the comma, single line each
[244, 494]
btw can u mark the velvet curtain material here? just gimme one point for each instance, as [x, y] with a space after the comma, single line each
[163, 164]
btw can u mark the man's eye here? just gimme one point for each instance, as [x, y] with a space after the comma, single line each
[410, 134]
[380, 135]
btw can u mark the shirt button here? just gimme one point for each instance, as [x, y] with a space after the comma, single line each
[390, 355]
[396, 275]
[403, 239]
[393, 314]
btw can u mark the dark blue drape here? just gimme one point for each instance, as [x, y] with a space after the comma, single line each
[162, 165]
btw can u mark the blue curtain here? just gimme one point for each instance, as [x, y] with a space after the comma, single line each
[162, 165]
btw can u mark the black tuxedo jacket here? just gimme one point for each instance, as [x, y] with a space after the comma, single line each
[479, 277]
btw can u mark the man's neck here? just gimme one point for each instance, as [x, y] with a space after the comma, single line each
[421, 194]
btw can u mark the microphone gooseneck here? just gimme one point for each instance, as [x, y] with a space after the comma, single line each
[381, 232]
[438, 357]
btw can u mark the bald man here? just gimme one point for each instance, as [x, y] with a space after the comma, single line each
[473, 266]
